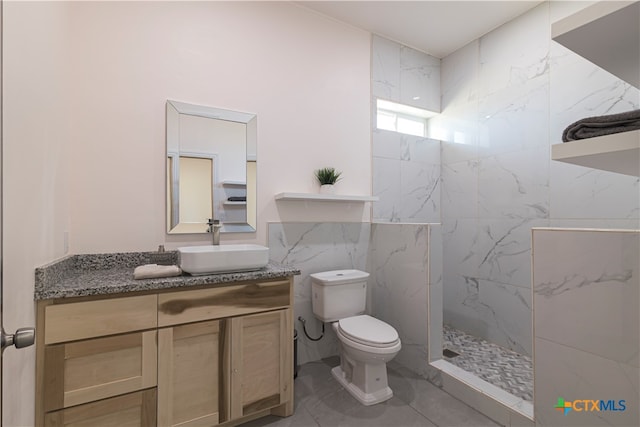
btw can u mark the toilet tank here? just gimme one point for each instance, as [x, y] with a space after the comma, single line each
[338, 294]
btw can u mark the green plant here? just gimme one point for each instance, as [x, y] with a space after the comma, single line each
[328, 176]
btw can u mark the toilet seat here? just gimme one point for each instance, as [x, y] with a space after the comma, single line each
[368, 331]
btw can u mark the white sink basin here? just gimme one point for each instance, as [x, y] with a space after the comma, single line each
[198, 260]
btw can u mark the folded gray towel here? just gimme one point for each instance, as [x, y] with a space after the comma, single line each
[150, 271]
[591, 127]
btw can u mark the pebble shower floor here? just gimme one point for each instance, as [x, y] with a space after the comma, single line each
[503, 368]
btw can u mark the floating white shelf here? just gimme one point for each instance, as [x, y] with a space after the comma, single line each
[607, 34]
[228, 203]
[619, 152]
[231, 182]
[324, 197]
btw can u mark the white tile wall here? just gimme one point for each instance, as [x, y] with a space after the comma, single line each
[587, 323]
[505, 99]
[315, 247]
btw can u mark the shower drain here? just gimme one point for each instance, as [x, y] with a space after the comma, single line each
[449, 353]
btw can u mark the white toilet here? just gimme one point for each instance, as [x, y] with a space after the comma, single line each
[367, 344]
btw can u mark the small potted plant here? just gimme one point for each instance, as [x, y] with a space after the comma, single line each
[327, 177]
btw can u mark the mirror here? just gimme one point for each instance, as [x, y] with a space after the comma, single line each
[211, 169]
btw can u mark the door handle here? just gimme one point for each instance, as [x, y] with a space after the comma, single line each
[24, 337]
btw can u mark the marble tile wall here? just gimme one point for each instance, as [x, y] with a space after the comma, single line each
[396, 256]
[399, 287]
[506, 98]
[406, 168]
[315, 247]
[594, 352]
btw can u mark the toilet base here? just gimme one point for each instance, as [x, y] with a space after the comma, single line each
[366, 399]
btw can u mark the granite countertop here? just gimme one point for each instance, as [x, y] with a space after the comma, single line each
[104, 274]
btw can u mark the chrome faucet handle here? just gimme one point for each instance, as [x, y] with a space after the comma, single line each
[213, 225]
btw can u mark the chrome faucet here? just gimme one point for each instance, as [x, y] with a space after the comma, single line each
[214, 228]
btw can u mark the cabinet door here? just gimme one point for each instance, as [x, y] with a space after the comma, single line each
[189, 380]
[261, 363]
[83, 371]
[130, 410]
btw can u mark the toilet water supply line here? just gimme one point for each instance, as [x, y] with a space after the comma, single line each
[304, 329]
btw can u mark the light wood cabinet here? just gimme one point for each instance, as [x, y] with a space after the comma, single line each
[261, 362]
[189, 380]
[218, 355]
[84, 371]
[129, 410]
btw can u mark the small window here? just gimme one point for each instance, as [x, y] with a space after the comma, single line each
[402, 118]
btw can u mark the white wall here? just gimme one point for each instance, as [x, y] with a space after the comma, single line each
[85, 86]
[36, 126]
[306, 78]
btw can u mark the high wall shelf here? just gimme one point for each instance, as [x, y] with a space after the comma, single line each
[314, 197]
[607, 34]
[619, 153]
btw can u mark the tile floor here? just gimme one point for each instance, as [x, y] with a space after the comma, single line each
[321, 402]
[503, 368]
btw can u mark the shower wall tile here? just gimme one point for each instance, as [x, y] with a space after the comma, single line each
[387, 144]
[514, 185]
[505, 99]
[406, 168]
[514, 54]
[583, 193]
[459, 78]
[419, 79]
[498, 312]
[503, 250]
[565, 372]
[409, 189]
[459, 190]
[417, 149]
[405, 75]
[419, 192]
[592, 353]
[399, 284]
[387, 186]
[515, 118]
[314, 247]
[435, 322]
[386, 69]
[581, 89]
[459, 242]
[458, 124]
[587, 273]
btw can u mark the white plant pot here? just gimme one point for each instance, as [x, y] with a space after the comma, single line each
[327, 189]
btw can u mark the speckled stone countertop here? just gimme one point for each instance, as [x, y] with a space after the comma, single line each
[104, 274]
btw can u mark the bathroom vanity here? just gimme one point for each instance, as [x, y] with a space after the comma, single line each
[185, 350]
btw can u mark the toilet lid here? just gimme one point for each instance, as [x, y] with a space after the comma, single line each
[368, 330]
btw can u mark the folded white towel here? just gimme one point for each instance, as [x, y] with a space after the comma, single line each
[150, 271]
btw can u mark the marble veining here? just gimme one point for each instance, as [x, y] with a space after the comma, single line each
[104, 274]
[399, 285]
[313, 247]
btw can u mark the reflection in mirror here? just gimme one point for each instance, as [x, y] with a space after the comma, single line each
[211, 169]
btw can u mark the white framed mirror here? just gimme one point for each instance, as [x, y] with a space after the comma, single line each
[211, 169]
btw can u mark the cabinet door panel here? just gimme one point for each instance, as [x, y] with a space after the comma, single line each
[261, 362]
[189, 375]
[131, 410]
[83, 371]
